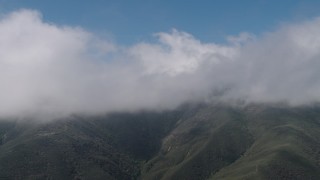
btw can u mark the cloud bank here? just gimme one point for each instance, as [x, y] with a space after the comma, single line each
[56, 71]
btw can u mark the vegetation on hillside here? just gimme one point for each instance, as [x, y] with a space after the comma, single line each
[192, 142]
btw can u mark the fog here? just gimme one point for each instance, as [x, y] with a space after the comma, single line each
[49, 70]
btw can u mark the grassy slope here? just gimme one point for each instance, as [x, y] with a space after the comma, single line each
[255, 142]
[287, 146]
[211, 142]
[201, 145]
[106, 147]
[62, 151]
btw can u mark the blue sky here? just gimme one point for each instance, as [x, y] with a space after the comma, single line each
[131, 21]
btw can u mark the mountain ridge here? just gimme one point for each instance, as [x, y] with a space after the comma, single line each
[192, 142]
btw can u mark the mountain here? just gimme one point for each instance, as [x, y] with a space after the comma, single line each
[257, 141]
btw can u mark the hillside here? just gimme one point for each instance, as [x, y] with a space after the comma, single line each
[192, 142]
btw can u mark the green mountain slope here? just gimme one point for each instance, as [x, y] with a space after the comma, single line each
[192, 142]
[286, 146]
[201, 145]
[62, 151]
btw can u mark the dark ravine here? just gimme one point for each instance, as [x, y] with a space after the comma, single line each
[192, 142]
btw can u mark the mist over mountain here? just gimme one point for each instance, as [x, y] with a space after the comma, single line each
[77, 105]
[52, 71]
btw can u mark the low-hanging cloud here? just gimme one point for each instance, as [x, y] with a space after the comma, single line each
[50, 70]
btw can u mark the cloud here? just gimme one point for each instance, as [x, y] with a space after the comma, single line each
[53, 71]
[241, 38]
[281, 66]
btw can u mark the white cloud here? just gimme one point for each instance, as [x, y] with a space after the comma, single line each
[241, 39]
[178, 52]
[50, 70]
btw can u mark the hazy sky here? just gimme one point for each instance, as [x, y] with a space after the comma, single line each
[55, 63]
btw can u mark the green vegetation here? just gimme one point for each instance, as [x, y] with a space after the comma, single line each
[193, 142]
[286, 146]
